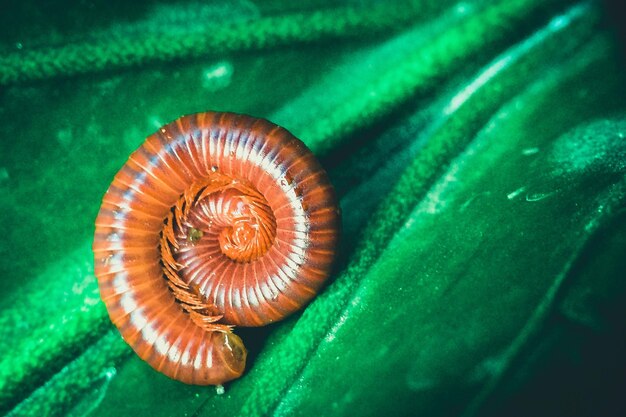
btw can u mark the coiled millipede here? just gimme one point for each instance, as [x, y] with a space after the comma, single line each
[217, 220]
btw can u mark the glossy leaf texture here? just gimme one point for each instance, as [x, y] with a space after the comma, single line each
[479, 153]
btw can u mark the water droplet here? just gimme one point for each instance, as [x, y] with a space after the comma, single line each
[214, 168]
[532, 197]
[217, 76]
[194, 235]
[530, 151]
[515, 193]
[156, 122]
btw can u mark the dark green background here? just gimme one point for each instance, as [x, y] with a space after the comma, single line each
[479, 152]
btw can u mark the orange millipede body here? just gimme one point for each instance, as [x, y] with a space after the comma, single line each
[217, 220]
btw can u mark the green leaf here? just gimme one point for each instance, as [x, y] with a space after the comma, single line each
[478, 152]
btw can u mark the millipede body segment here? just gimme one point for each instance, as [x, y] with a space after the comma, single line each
[217, 220]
